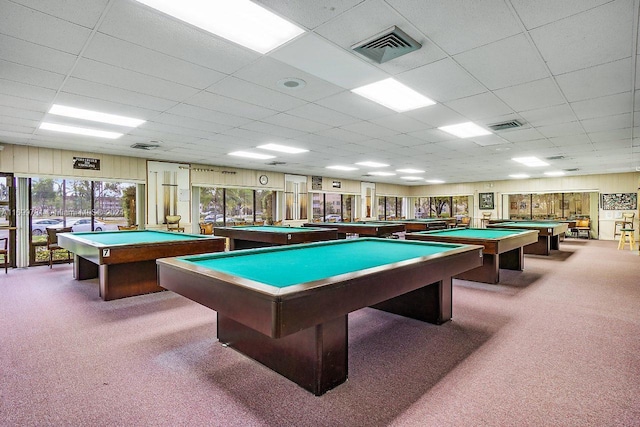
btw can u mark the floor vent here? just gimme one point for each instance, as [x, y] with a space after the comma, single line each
[506, 125]
[387, 45]
[142, 146]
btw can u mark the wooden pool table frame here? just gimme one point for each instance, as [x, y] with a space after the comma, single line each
[247, 237]
[369, 229]
[129, 269]
[504, 252]
[300, 331]
[548, 235]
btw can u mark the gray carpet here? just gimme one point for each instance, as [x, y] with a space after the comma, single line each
[555, 345]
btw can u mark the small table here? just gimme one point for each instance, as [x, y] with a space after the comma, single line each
[549, 233]
[125, 261]
[369, 229]
[256, 236]
[502, 248]
[287, 306]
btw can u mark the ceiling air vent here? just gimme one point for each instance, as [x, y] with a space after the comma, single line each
[143, 146]
[506, 125]
[387, 45]
[276, 163]
[572, 170]
[555, 158]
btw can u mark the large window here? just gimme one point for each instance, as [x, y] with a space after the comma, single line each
[390, 208]
[235, 206]
[80, 204]
[441, 206]
[332, 207]
[549, 206]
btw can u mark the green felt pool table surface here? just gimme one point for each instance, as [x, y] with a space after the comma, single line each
[131, 237]
[476, 233]
[295, 265]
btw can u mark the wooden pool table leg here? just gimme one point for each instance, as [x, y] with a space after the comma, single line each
[488, 272]
[431, 303]
[541, 247]
[84, 269]
[128, 279]
[513, 259]
[314, 358]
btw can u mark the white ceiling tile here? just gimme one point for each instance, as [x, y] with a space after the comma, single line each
[442, 81]
[480, 106]
[540, 12]
[437, 115]
[28, 91]
[29, 75]
[562, 129]
[602, 107]
[192, 111]
[81, 12]
[550, 115]
[369, 129]
[521, 135]
[309, 13]
[532, 95]
[606, 79]
[274, 130]
[598, 124]
[119, 53]
[355, 105]
[342, 135]
[40, 28]
[597, 36]
[322, 114]
[242, 90]
[504, 63]
[232, 106]
[320, 58]
[33, 55]
[288, 121]
[611, 136]
[400, 123]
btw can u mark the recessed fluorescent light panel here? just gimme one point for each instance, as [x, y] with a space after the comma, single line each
[282, 148]
[412, 178]
[382, 173]
[95, 116]
[342, 168]
[393, 94]
[435, 181]
[239, 21]
[554, 173]
[519, 175]
[409, 170]
[79, 131]
[530, 161]
[465, 130]
[250, 155]
[372, 164]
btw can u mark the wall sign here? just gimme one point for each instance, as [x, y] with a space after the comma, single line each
[337, 184]
[485, 200]
[316, 183]
[86, 163]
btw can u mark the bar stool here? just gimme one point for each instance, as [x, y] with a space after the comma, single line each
[625, 222]
[627, 232]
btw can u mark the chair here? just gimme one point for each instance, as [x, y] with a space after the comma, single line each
[52, 242]
[486, 216]
[173, 223]
[128, 227]
[464, 222]
[4, 253]
[206, 228]
[625, 222]
[627, 236]
[583, 226]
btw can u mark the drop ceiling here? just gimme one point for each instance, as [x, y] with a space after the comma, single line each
[566, 70]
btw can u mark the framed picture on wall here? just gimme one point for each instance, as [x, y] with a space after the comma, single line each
[485, 201]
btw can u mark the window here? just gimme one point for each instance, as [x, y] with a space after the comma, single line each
[295, 192]
[233, 206]
[549, 206]
[390, 208]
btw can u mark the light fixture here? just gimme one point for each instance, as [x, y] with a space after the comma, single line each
[412, 178]
[372, 164]
[378, 173]
[291, 83]
[409, 170]
[435, 181]
[95, 116]
[79, 131]
[393, 94]
[282, 148]
[250, 155]
[519, 175]
[530, 161]
[465, 130]
[240, 21]
[342, 168]
[554, 173]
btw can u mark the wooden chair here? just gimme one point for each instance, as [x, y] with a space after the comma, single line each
[128, 227]
[4, 253]
[583, 226]
[206, 227]
[464, 222]
[173, 223]
[52, 242]
[486, 216]
[625, 222]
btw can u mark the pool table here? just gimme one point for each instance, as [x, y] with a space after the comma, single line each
[549, 234]
[363, 228]
[256, 236]
[287, 306]
[502, 248]
[125, 261]
[418, 224]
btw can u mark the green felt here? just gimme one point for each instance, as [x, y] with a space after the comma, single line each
[282, 267]
[275, 229]
[474, 233]
[133, 237]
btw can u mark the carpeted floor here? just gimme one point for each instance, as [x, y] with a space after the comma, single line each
[555, 345]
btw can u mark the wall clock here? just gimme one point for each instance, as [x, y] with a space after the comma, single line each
[263, 179]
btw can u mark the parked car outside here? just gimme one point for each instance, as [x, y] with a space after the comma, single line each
[84, 224]
[333, 218]
[39, 226]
